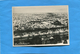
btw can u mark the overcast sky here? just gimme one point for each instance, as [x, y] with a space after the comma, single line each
[39, 9]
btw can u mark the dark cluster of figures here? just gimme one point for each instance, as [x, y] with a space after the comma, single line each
[47, 39]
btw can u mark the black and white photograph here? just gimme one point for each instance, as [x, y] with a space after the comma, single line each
[40, 25]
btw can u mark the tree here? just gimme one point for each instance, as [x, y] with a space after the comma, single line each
[57, 23]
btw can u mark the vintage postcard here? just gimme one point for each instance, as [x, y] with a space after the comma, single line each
[40, 25]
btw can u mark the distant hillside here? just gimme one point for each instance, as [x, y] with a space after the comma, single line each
[24, 21]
